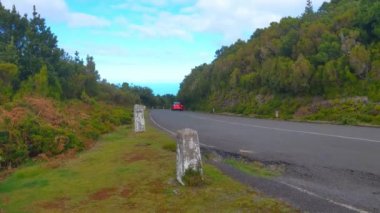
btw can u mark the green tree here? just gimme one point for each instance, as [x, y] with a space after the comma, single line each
[302, 71]
[91, 77]
[40, 48]
[309, 7]
[234, 78]
[8, 74]
[10, 55]
[37, 84]
[360, 60]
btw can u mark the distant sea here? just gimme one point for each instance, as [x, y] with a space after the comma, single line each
[161, 88]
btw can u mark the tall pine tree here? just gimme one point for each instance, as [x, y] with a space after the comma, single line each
[309, 8]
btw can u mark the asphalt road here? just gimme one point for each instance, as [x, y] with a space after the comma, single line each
[338, 164]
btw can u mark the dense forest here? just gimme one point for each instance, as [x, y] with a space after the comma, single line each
[322, 65]
[52, 103]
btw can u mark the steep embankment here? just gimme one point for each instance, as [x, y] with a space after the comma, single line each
[323, 65]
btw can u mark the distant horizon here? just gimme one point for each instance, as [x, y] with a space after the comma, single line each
[160, 88]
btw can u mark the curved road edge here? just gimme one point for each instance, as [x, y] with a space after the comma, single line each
[296, 196]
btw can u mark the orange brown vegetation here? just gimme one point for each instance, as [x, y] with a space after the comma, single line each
[46, 109]
[15, 115]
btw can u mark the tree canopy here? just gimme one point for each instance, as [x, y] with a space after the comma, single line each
[333, 52]
[31, 63]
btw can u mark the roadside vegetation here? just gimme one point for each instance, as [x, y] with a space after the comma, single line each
[52, 103]
[253, 168]
[322, 65]
[35, 127]
[125, 171]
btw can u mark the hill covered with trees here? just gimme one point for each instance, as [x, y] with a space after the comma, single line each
[52, 103]
[323, 65]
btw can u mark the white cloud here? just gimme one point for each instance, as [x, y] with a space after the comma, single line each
[231, 18]
[56, 11]
[86, 20]
[136, 7]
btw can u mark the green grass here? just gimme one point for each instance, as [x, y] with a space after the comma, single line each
[253, 168]
[125, 172]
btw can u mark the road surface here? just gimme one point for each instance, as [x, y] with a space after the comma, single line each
[339, 164]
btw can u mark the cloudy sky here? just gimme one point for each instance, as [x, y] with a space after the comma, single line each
[155, 43]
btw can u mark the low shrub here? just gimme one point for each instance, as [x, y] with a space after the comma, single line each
[193, 178]
[349, 120]
[13, 151]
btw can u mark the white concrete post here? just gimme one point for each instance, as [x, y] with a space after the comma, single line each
[139, 118]
[277, 114]
[188, 153]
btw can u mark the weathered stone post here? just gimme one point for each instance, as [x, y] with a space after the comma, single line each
[277, 114]
[139, 118]
[188, 153]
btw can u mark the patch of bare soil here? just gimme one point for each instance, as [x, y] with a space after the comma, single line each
[58, 204]
[126, 192]
[140, 155]
[135, 157]
[157, 186]
[5, 200]
[103, 194]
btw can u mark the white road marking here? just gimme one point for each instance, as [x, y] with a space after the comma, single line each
[161, 127]
[246, 151]
[289, 130]
[173, 133]
[323, 198]
[287, 184]
[202, 144]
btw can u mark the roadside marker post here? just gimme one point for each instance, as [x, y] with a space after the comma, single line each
[139, 118]
[188, 153]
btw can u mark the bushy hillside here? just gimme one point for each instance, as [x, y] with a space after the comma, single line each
[332, 54]
[50, 102]
[42, 127]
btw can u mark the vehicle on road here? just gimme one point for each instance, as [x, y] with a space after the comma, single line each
[177, 106]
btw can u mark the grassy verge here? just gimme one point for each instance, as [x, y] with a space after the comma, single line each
[125, 172]
[253, 168]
